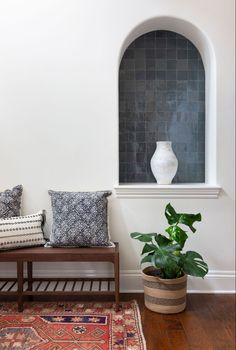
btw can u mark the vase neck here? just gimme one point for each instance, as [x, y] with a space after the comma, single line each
[164, 145]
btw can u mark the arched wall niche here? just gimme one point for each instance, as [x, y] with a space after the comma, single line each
[204, 46]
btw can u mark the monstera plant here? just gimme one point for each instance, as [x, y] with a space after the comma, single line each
[166, 258]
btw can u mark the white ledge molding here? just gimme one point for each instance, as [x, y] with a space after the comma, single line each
[198, 190]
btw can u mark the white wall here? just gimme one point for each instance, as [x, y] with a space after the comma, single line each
[59, 118]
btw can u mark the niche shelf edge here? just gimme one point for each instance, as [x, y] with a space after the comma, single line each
[167, 191]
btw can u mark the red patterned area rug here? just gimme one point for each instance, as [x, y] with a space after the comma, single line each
[71, 326]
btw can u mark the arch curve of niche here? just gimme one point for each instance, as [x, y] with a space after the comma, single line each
[204, 46]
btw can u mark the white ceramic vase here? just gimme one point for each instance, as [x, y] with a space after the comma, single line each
[164, 163]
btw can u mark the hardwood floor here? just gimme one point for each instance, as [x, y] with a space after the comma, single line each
[208, 323]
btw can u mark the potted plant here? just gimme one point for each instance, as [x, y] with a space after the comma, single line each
[165, 279]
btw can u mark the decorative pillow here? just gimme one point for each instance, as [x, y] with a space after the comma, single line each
[22, 231]
[79, 218]
[10, 202]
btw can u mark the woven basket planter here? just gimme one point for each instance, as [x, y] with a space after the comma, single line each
[166, 296]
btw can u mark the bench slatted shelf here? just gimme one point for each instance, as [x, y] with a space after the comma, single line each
[22, 286]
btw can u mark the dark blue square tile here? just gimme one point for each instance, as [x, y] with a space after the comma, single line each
[171, 75]
[182, 75]
[160, 43]
[171, 53]
[182, 54]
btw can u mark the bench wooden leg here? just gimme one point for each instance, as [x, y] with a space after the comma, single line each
[117, 281]
[20, 285]
[30, 277]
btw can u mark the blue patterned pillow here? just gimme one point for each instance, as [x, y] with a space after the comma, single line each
[79, 218]
[10, 202]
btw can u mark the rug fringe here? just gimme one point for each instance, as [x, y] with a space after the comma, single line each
[140, 324]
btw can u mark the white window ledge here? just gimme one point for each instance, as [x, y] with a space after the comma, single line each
[198, 190]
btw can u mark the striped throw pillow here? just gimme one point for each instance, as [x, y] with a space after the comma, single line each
[22, 231]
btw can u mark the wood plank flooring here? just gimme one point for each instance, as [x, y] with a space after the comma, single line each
[208, 323]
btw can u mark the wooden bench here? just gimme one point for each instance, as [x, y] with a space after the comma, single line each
[30, 286]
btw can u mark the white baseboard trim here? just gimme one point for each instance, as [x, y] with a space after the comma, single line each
[214, 282]
[131, 281]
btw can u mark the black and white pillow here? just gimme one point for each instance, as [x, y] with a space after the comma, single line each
[22, 231]
[79, 219]
[10, 202]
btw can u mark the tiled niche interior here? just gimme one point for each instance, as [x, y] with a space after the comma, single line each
[161, 98]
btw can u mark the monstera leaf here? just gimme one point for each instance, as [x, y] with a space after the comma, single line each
[167, 262]
[143, 237]
[177, 234]
[148, 248]
[194, 265]
[171, 215]
[147, 258]
[189, 219]
[181, 218]
[162, 240]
